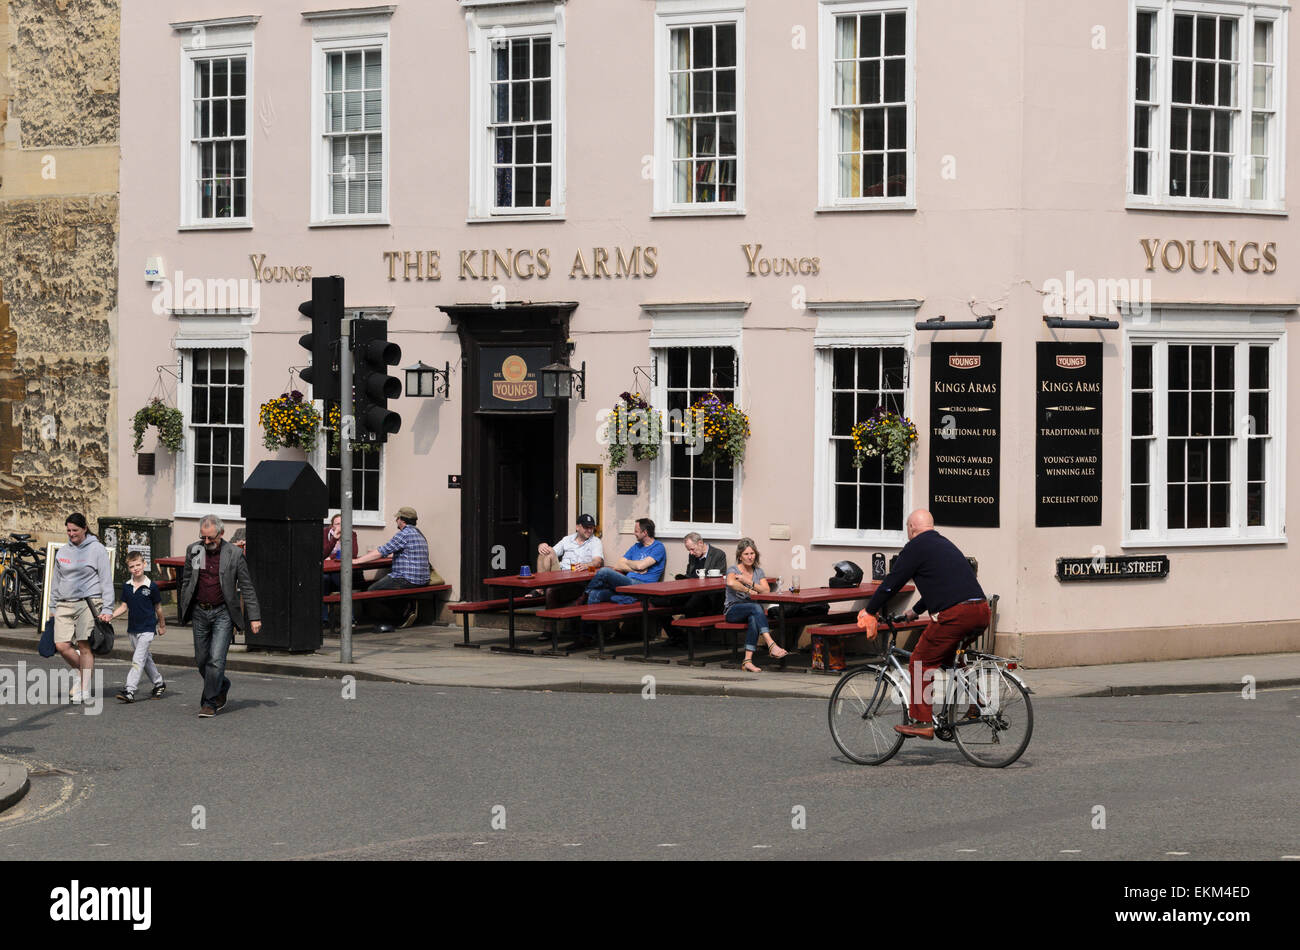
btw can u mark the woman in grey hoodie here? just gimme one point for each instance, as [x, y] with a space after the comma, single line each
[80, 571]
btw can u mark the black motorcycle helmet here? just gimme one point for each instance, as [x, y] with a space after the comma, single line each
[847, 574]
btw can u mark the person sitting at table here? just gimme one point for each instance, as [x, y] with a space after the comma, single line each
[643, 563]
[700, 556]
[582, 549]
[410, 553]
[331, 581]
[745, 578]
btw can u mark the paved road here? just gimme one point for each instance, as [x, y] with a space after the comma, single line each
[292, 768]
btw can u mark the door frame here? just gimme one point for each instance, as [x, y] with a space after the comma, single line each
[517, 324]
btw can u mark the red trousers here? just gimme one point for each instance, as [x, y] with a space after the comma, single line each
[938, 647]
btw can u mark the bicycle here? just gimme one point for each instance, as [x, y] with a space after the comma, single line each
[22, 582]
[984, 709]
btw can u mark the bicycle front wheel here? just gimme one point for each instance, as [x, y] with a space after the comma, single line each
[864, 708]
[1006, 719]
[9, 598]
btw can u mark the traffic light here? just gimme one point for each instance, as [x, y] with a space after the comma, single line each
[372, 387]
[326, 311]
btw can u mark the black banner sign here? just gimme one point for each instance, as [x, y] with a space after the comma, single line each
[1067, 484]
[508, 378]
[1126, 568]
[965, 433]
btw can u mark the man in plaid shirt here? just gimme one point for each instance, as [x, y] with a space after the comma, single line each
[410, 553]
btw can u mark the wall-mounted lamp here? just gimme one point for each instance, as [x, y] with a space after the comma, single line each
[561, 381]
[422, 380]
[1092, 323]
[942, 323]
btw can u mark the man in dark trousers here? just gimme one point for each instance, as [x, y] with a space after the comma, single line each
[213, 579]
[700, 556]
[954, 599]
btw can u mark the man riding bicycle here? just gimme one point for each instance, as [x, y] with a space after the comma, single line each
[954, 598]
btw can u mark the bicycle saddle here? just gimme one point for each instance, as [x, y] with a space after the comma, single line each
[21, 537]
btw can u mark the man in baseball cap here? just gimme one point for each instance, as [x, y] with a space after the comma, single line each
[582, 549]
[410, 553]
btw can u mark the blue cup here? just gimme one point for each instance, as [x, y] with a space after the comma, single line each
[525, 571]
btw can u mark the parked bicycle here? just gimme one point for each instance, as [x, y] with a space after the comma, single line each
[980, 704]
[22, 581]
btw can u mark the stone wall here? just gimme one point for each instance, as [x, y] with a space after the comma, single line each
[58, 261]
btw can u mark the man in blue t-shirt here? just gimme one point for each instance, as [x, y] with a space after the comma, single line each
[643, 563]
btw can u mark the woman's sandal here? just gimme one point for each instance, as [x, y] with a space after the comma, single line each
[776, 652]
[749, 667]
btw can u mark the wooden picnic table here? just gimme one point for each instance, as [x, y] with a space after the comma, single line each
[516, 582]
[817, 595]
[645, 592]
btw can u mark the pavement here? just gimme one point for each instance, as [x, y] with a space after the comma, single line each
[426, 656]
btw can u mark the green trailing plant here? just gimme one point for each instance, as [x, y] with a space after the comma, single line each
[169, 422]
[886, 434]
[722, 426]
[634, 425]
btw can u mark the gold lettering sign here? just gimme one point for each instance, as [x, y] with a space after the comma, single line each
[1249, 257]
[779, 266]
[265, 274]
[509, 263]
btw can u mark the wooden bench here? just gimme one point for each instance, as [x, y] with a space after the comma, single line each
[846, 630]
[490, 606]
[428, 590]
[599, 614]
[719, 622]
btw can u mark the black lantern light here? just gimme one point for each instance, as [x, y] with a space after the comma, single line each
[422, 380]
[561, 381]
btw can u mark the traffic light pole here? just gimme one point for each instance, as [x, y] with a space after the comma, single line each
[347, 426]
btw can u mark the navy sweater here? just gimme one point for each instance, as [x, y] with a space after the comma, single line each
[940, 571]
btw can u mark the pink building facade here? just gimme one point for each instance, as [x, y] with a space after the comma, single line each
[763, 201]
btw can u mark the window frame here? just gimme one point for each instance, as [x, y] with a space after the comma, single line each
[857, 326]
[1246, 12]
[1243, 327]
[186, 506]
[671, 15]
[512, 20]
[347, 35]
[827, 131]
[688, 326]
[222, 38]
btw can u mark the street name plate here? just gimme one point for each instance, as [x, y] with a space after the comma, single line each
[1125, 568]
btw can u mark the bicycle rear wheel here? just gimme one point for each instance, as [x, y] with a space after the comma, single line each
[29, 587]
[1006, 722]
[8, 598]
[864, 708]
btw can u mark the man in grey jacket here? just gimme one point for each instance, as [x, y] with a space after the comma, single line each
[215, 577]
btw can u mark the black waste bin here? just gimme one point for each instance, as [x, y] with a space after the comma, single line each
[122, 534]
[284, 504]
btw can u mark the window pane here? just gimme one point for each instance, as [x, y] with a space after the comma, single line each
[1198, 504]
[895, 34]
[1142, 367]
[846, 506]
[1220, 453]
[1139, 461]
[1142, 420]
[1139, 509]
[1259, 367]
[1179, 367]
[1177, 506]
[1259, 413]
[1223, 403]
[1178, 414]
[1177, 461]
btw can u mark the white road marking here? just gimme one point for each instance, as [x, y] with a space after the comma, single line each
[573, 844]
[967, 850]
[1072, 851]
[189, 844]
[480, 842]
[101, 844]
[761, 846]
[667, 845]
[1178, 852]
[1285, 857]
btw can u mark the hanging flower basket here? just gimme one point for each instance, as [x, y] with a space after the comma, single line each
[290, 422]
[169, 422]
[886, 434]
[334, 416]
[634, 425]
[722, 426]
